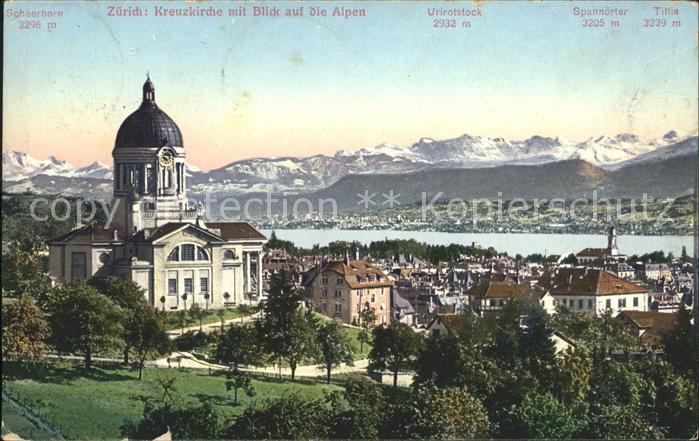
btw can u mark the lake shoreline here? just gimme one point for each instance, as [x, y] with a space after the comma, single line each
[512, 243]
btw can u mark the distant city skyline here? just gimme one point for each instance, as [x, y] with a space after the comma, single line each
[241, 87]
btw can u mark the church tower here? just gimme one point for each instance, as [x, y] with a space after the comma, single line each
[612, 249]
[150, 185]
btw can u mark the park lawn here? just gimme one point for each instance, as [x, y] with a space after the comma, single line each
[354, 339]
[94, 404]
[210, 316]
[18, 424]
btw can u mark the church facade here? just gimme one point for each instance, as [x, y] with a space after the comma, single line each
[157, 237]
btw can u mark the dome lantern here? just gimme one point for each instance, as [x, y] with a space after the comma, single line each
[148, 90]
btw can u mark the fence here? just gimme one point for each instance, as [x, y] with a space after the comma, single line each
[32, 411]
[300, 380]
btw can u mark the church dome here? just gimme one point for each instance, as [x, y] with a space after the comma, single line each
[148, 126]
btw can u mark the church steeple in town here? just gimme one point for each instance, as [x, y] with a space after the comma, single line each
[612, 249]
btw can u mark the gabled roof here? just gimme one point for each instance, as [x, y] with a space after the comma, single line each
[657, 325]
[173, 227]
[236, 230]
[400, 302]
[351, 269]
[450, 321]
[661, 321]
[506, 289]
[593, 252]
[588, 282]
[88, 234]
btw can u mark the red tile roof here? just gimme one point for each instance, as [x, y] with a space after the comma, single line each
[354, 268]
[505, 289]
[588, 282]
[593, 252]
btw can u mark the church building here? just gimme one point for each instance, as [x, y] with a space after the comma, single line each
[157, 237]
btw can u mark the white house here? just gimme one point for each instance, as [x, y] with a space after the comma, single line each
[594, 291]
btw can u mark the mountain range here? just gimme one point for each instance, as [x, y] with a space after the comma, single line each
[473, 158]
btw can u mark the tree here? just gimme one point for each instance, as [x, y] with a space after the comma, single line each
[542, 417]
[182, 320]
[335, 347]
[572, 379]
[24, 329]
[290, 333]
[221, 313]
[146, 335]
[129, 297]
[197, 315]
[363, 413]
[367, 319]
[440, 362]
[196, 422]
[613, 383]
[301, 340]
[681, 344]
[236, 380]
[675, 403]
[184, 299]
[23, 270]
[240, 345]
[394, 348]
[83, 321]
[206, 299]
[167, 385]
[449, 413]
[622, 422]
[289, 417]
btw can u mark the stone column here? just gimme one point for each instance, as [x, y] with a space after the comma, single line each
[145, 169]
[246, 275]
[259, 275]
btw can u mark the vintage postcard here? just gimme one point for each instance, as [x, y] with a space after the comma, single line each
[349, 220]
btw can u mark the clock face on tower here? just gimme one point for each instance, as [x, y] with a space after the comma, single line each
[166, 159]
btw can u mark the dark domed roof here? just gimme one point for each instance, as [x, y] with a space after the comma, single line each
[148, 126]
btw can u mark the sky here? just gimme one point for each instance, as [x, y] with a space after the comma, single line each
[242, 87]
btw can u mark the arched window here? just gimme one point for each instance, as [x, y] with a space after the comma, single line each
[187, 252]
[229, 255]
[174, 255]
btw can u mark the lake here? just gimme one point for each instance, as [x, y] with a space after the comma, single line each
[512, 243]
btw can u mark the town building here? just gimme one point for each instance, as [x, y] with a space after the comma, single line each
[341, 289]
[651, 327]
[594, 291]
[401, 310]
[491, 294]
[442, 325]
[656, 271]
[602, 255]
[157, 238]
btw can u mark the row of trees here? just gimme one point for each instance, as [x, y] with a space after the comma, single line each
[529, 391]
[102, 316]
[362, 410]
[385, 249]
